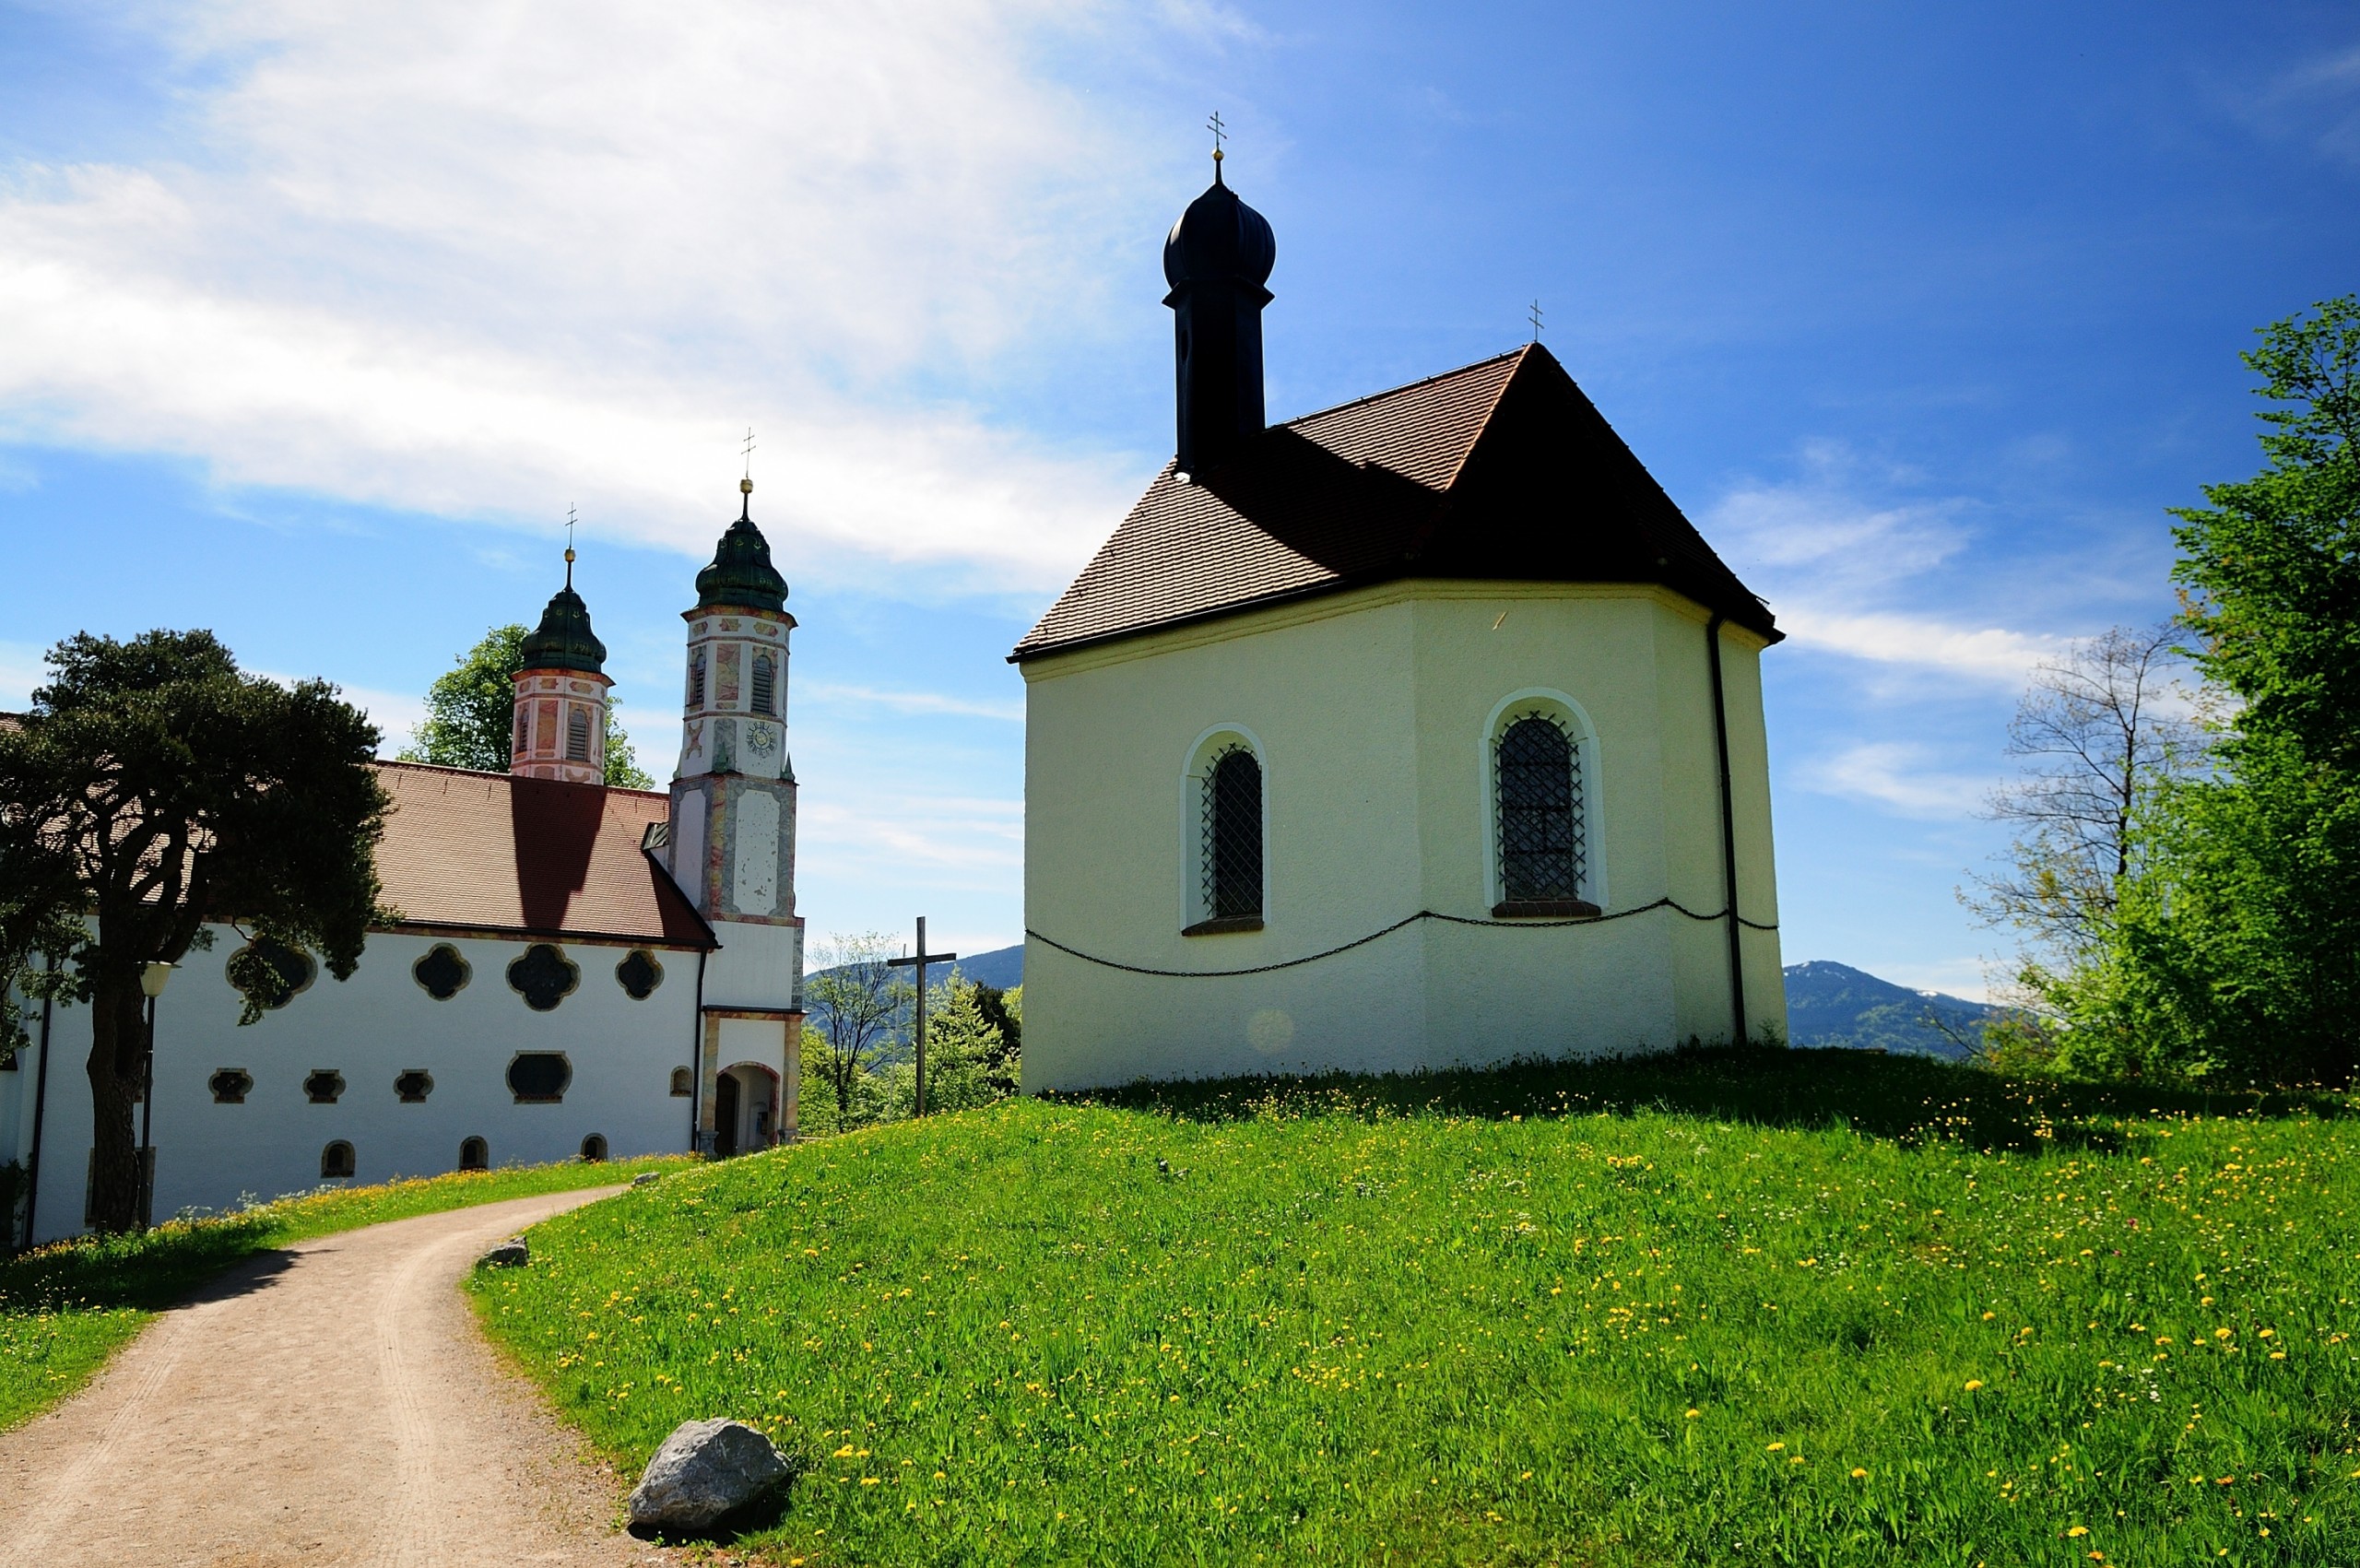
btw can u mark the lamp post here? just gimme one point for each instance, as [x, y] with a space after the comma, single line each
[151, 986]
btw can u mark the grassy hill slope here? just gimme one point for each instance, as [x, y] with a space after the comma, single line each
[1780, 1307]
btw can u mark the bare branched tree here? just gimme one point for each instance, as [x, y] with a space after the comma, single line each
[2098, 731]
[855, 1000]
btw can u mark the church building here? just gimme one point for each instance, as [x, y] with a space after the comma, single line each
[1420, 731]
[574, 971]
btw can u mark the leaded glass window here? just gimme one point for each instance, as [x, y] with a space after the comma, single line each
[765, 685]
[1539, 787]
[1233, 836]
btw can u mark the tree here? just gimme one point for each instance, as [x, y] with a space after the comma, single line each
[156, 787]
[855, 1000]
[973, 1044]
[471, 707]
[2242, 952]
[2101, 730]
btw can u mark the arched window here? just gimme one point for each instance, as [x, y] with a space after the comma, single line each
[474, 1154]
[1232, 849]
[1542, 827]
[696, 678]
[683, 1084]
[765, 685]
[524, 730]
[593, 1148]
[577, 736]
[335, 1161]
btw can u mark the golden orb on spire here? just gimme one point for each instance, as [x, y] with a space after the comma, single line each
[745, 487]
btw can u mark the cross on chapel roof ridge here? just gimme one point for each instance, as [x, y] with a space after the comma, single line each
[1501, 470]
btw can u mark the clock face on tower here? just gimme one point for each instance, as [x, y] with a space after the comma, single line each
[759, 740]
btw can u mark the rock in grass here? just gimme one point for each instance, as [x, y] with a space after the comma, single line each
[704, 1470]
[644, 1177]
[509, 1254]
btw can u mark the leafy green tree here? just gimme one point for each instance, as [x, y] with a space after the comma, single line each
[471, 707]
[155, 787]
[854, 1001]
[971, 1057]
[2237, 946]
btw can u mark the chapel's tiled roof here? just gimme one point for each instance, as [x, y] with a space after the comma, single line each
[497, 852]
[1502, 471]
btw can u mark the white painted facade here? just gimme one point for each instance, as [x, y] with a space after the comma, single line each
[1373, 712]
[369, 1030]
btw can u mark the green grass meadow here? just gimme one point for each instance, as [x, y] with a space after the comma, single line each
[67, 1307]
[1808, 1307]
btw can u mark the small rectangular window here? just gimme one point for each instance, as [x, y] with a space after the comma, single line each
[765, 685]
[577, 736]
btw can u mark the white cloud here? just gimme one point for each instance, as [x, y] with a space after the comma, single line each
[1899, 776]
[1836, 557]
[909, 701]
[484, 261]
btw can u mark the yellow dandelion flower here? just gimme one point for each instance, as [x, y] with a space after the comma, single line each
[1693, 1414]
[1859, 1474]
[2077, 1531]
[1972, 1384]
[1775, 1447]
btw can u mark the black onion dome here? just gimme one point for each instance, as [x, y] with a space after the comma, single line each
[741, 572]
[1219, 237]
[563, 639]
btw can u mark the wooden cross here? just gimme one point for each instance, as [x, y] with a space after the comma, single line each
[919, 960]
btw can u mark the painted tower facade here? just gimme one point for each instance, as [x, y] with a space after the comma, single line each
[731, 839]
[561, 717]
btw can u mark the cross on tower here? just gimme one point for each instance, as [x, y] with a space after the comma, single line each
[748, 452]
[1534, 319]
[568, 546]
[1220, 131]
[918, 960]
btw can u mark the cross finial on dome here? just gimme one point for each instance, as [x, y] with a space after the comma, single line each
[568, 546]
[1220, 135]
[746, 485]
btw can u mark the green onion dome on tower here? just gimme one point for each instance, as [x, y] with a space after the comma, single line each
[563, 639]
[741, 573]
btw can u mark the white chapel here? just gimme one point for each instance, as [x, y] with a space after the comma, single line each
[1421, 731]
[577, 971]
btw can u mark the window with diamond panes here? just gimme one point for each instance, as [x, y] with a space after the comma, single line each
[1538, 786]
[1233, 837]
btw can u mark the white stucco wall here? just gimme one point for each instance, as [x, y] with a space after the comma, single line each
[1371, 711]
[370, 1027]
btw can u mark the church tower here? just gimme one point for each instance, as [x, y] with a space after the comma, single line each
[1216, 259]
[730, 842]
[561, 720]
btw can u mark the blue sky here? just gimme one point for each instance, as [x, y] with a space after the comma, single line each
[313, 321]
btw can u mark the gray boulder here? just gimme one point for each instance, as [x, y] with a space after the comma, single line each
[704, 1470]
[646, 1177]
[509, 1254]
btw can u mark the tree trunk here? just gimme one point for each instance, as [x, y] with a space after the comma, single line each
[118, 1044]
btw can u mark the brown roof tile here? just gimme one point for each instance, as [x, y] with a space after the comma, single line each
[1500, 470]
[496, 853]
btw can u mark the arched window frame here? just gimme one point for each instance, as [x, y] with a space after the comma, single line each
[696, 678]
[763, 684]
[474, 1153]
[338, 1162]
[1198, 917]
[1570, 717]
[577, 734]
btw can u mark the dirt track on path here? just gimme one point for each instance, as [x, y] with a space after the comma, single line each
[330, 1404]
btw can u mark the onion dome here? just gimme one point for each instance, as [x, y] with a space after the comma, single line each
[741, 573]
[1220, 239]
[563, 639]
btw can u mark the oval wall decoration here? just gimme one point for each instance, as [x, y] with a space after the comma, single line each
[544, 977]
[414, 1085]
[231, 1085]
[323, 1086]
[539, 1077]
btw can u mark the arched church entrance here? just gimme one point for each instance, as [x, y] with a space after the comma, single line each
[745, 1109]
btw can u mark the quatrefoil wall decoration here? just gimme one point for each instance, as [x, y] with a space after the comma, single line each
[442, 972]
[640, 974]
[544, 977]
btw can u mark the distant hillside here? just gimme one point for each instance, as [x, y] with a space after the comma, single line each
[1833, 1004]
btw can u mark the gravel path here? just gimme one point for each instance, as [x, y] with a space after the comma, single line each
[330, 1404]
